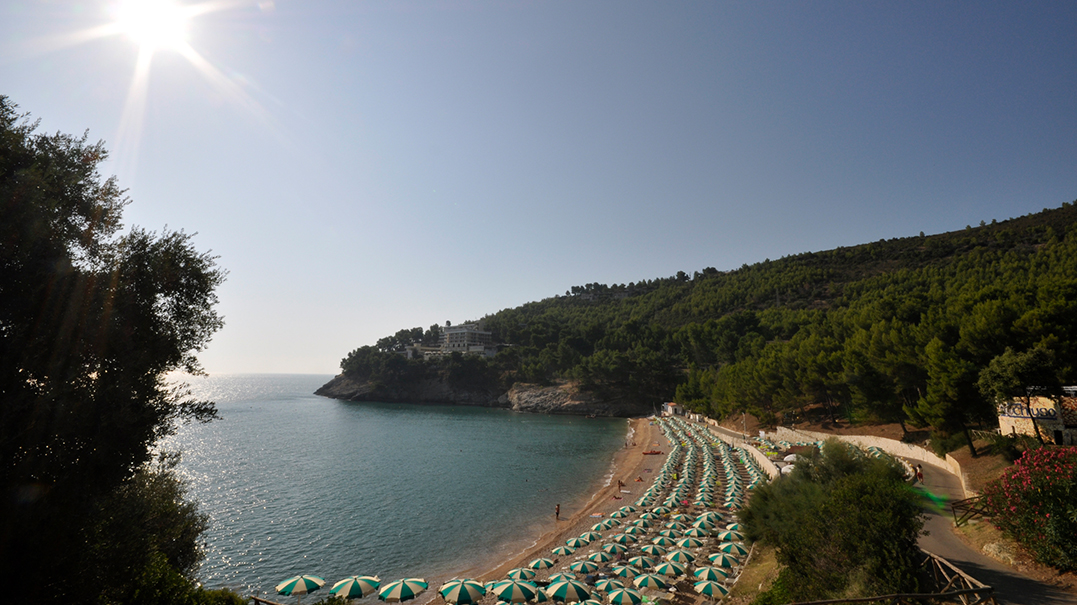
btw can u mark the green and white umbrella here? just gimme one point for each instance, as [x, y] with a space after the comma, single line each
[568, 590]
[462, 591]
[520, 573]
[600, 526]
[689, 542]
[641, 562]
[670, 568]
[614, 548]
[675, 525]
[608, 584]
[561, 551]
[624, 539]
[710, 588]
[600, 557]
[625, 596]
[730, 536]
[299, 586]
[715, 574]
[541, 563]
[648, 516]
[402, 590]
[590, 536]
[576, 542]
[733, 548]
[653, 549]
[356, 587]
[515, 591]
[624, 571]
[680, 517]
[663, 541]
[617, 514]
[583, 566]
[635, 531]
[680, 556]
[650, 580]
[563, 575]
[541, 596]
[661, 510]
[721, 559]
[733, 527]
[641, 523]
[697, 532]
[591, 602]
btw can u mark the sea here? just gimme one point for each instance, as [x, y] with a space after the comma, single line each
[294, 483]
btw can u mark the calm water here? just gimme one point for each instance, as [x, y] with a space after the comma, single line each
[295, 483]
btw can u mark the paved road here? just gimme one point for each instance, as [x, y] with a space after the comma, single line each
[1011, 588]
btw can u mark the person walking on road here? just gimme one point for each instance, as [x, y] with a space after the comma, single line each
[920, 474]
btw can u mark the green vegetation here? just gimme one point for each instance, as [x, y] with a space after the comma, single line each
[1035, 503]
[843, 524]
[90, 322]
[895, 330]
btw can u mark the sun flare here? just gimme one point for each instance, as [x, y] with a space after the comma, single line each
[153, 24]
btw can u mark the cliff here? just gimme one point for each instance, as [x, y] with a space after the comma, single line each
[564, 398]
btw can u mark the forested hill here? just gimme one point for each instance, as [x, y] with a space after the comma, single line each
[895, 329]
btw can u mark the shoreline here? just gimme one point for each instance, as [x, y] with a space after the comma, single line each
[541, 537]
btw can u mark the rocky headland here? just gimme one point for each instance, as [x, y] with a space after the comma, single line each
[561, 398]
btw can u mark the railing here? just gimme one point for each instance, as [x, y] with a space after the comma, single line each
[951, 586]
[967, 509]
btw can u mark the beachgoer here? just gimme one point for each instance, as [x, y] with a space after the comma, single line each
[920, 474]
[557, 513]
[640, 479]
[620, 484]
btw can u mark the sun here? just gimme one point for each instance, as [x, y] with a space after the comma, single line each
[153, 24]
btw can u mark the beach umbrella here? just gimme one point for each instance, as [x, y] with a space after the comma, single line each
[625, 596]
[600, 526]
[541, 563]
[614, 548]
[722, 559]
[663, 541]
[624, 571]
[670, 533]
[679, 517]
[653, 549]
[561, 551]
[568, 590]
[299, 586]
[575, 543]
[541, 596]
[635, 531]
[608, 584]
[706, 524]
[648, 516]
[355, 587]
[624, 538]
[650, 580]
[591, 602]
[617, 514]
[641, 562]
[715, 574]
[564, 575]
[583, 566]
[402, 590]
[590, 536]
[629, 508]
[710, 588]
[733, 527]
[677, 525]
[612, 522]
[661, 510]
[689, 542]
[641, 523]
[515, 591]
[670, 568]
[462, 591]
[730, 536]
[520, 573]
[680, 556]
[733, 548]
[696, 532]
[600, 557]
[710, 515]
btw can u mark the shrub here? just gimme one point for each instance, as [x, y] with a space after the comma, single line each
[1035, 502]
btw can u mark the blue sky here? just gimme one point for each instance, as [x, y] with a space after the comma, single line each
[362, 167]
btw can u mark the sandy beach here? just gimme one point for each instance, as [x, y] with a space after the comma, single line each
[629, 463]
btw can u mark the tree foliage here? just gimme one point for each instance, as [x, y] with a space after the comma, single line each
[90, 322]
[844, 525]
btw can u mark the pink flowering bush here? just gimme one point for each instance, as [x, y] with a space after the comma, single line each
[1035, 502]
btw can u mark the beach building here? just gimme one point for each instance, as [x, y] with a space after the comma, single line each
[672, 409]
[1056, 419]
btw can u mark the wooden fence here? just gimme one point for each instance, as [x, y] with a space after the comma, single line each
[950, 585]
[967, 509]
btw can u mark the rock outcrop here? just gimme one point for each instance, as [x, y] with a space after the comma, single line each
[564, 398]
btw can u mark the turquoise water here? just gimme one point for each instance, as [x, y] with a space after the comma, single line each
[294, 483]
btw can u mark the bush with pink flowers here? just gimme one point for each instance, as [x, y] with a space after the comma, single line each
[1035, 502]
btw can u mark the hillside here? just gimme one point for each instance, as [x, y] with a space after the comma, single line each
[893, 330]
